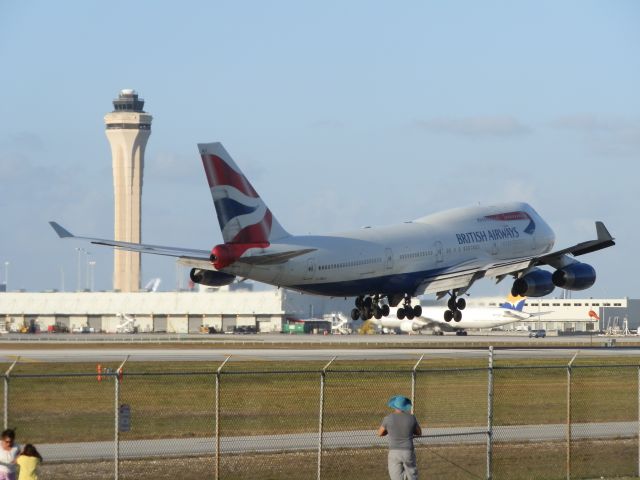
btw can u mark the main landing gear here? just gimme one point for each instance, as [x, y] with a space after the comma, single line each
[407, 311]
[455, 305]
[368, 307]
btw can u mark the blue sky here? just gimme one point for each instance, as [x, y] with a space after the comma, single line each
[342, 114]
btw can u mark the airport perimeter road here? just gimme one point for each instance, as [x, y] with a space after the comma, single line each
[271, 339]
[178, 447]
[285, 354]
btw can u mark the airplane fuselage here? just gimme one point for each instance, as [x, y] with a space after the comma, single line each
[396, 259]
[479, 317]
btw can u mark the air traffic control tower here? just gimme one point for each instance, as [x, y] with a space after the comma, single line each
[128, 129]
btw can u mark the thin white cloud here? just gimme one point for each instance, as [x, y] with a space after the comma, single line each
[604, 136]
[479, 126]
[22, 141]
[587, 122]
[14, 167]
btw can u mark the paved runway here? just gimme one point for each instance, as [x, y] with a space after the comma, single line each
[309, 441]
[495, 338]
[27, 355]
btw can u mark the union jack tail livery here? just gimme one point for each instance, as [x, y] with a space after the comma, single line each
[244, 218]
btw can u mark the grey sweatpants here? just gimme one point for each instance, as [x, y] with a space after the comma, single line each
[402, 465]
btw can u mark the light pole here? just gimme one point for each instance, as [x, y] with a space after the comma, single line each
[88, 265]
[92, 265]
[178, 277]
[6, 276]
[79, 279]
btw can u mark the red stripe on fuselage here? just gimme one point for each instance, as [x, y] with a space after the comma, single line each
[219, 173]
[505, 217]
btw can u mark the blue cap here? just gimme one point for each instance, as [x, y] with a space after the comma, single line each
[399, 402]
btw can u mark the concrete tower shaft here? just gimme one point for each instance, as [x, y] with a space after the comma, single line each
[127, 128]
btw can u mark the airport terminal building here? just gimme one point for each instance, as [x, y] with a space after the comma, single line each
[170, 312]
[227, 309]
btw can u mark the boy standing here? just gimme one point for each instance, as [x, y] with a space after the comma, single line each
[401, 426]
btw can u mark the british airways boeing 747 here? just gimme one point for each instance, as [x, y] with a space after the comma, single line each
[442, 254]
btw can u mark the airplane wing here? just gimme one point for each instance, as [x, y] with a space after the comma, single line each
[274, 258]
[460, 277]
[186, 256]
[604, 240]
[430, 322]
[187, 253]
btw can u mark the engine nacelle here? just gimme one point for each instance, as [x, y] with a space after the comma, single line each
[536, 283]
[210, 278]
[577, 276]
[408, 326]
[222, 256]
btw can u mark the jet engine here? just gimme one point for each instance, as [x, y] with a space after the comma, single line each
[409, 326]
[536, 283]
[210, 278]
[577, 276]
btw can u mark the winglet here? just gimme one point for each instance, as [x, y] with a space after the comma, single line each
[604, 240]
[61, 231]
[603, 233]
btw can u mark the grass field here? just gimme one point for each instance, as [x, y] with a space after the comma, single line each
[59, 403]
[66, 401]
[511, 462]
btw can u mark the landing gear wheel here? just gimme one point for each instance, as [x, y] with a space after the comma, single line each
[409, 313]
[400, 313]
[359, 302]
[448, 315]
[355, 314]
[461, 304]
[457, 315]
[377, 312]
[385, 310]
[451, 303]
[368, 302]
[417, 311]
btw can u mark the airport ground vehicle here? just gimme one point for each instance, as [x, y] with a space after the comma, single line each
[537, 334]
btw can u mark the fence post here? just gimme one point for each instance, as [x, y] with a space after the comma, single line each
[116, 379]
[218, 372]
[490, 415]
[568, 466]
[321, 417]
[6, 393]
[413, 386]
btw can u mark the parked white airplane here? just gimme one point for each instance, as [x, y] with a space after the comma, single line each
[443, 253]
[478, 317]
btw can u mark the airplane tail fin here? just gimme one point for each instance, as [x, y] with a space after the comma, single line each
[514, 303]
[242, 215]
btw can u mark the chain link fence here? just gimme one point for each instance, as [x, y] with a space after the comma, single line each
[497, 421]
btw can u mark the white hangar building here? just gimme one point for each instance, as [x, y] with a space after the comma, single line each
[574, 314]
[267, 311]
[171, 312]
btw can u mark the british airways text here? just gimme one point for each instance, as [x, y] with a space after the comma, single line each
[486, 235]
